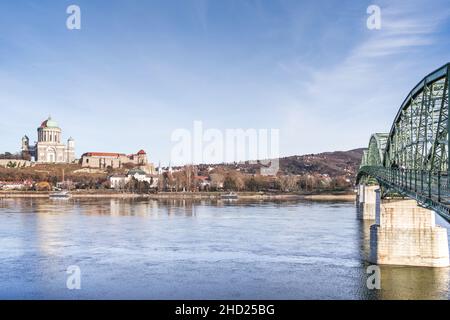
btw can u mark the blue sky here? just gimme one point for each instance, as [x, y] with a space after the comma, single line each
[137, 70]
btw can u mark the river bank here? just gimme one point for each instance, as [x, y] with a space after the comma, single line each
[187, 195]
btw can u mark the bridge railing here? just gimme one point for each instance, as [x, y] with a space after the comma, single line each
[427, 184]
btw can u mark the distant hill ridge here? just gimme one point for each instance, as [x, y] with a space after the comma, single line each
[334, 164]
[337, 163]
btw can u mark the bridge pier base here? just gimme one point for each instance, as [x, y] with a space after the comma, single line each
[359, 196]
[406, 234]
[367, 201]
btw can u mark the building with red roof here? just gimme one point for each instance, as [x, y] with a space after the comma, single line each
[104, 160]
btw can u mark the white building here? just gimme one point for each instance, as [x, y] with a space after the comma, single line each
[120, 181]
[49, 148]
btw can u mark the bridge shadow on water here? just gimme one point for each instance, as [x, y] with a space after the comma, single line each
[403, 282]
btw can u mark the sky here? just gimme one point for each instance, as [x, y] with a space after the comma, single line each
[138, 70]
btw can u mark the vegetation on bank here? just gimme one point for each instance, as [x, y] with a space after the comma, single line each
[46, 177]
[10, 156]
[309, 174]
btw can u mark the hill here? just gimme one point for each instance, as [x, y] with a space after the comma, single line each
[334, 164]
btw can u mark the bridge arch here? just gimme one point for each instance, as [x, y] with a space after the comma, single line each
[375, 150]
[419, 137]
[413, 158]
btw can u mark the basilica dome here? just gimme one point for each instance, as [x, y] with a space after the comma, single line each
[49, 123]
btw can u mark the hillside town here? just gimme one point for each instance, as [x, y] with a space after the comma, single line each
[51, 165]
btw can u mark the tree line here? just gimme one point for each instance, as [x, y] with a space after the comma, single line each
[188, 179]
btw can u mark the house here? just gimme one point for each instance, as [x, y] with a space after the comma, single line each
[120, 181]
[203, 182]
[139, 175]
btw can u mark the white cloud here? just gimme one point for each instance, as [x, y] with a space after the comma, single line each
[342, 105]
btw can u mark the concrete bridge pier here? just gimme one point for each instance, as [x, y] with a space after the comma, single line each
[366, 201]
[359, 195]
[406, 234]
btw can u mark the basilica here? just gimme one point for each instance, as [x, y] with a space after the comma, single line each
[48, 148]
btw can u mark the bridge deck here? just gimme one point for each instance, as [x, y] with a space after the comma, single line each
[429, 189]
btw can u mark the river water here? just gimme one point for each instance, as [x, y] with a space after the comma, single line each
[147, 249]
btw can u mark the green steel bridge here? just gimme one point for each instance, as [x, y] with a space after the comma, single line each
[413, 158]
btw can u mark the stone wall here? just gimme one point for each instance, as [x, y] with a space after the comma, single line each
[19, 163]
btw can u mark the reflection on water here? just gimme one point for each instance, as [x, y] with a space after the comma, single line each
[404, 282]
[204, 249]
[414, 283]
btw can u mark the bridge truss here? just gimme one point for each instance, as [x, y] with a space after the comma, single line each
[413, 158]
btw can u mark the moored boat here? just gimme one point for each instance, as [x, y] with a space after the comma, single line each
[229, 196]
[60, 195]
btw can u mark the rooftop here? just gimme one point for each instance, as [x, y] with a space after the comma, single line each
[132, 172]
[103, 154]
[49, 123]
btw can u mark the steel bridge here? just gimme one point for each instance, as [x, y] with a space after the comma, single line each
[413, 158]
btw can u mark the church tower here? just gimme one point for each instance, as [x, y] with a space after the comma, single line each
[26, 148]
[70, 152]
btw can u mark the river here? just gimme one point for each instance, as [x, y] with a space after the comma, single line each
[175, 249]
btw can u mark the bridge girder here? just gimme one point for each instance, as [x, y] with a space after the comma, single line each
[415, 153]
[419, 136]
[375, 151]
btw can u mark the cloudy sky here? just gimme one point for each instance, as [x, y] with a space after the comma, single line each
[138, 70]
